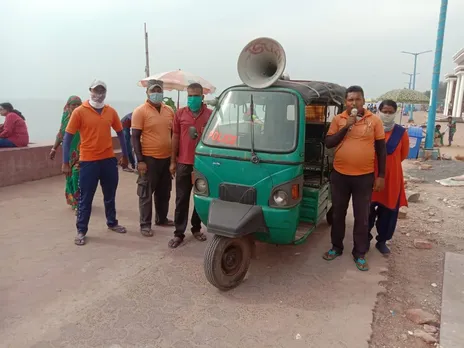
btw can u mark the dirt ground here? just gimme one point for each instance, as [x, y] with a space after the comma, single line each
[415, 277]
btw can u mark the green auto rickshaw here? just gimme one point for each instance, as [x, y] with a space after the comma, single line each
[261, 167]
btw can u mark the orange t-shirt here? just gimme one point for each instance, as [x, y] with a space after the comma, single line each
[95, 131]
[156, 129]
[355, 155]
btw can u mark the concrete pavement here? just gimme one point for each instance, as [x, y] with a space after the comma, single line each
[131, 291]
[452, 309]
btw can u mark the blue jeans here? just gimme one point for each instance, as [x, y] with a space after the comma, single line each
[90, 173]
[6, 143]
[127, 138]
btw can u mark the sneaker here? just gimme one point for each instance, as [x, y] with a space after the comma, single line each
[383, 248]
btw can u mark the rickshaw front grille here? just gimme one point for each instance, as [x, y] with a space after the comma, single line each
[237, 194]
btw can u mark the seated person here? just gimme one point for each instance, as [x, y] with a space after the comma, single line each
[13, 133]
[438, 137]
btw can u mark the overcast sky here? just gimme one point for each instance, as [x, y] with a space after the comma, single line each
[55, 48]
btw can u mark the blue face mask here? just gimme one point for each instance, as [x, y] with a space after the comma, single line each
[156, 98]
[194, 102]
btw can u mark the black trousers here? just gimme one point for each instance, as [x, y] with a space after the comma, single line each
[157, 180]
[183, 189]
[384, 220]
[359, 189]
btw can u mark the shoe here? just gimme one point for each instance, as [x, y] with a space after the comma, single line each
[382, 247]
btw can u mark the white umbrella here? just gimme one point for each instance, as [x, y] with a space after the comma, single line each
[179, 80]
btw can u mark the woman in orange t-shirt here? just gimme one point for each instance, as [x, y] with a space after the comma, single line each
[385, 204]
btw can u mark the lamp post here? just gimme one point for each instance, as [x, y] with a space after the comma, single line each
[415, 54]
[410, 78]
[147, 59]
[436, 76]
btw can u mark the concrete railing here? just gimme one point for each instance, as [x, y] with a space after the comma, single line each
[18, 165]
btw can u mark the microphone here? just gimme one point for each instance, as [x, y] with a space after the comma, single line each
[354, 113]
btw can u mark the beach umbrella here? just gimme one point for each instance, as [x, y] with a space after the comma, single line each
[178, 80]
[405, 96]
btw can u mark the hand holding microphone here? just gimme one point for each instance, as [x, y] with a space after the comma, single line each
[352, 118]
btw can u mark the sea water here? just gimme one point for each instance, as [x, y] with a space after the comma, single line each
[43, 117]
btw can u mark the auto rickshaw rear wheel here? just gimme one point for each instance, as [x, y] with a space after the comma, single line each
[227, 261]
[329, 216]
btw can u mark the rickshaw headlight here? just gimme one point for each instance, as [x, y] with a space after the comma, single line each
[280, 198]
[201, 186]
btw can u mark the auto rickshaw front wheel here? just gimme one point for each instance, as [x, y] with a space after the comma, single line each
[227, 261]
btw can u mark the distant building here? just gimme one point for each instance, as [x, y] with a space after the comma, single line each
[454, 101]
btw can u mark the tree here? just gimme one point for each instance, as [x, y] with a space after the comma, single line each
[441, 93]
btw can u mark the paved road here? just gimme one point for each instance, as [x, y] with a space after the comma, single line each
[129, 291]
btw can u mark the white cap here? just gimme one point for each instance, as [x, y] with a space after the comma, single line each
[154, 83]
[96, 83]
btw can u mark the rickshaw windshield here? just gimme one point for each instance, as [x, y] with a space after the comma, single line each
[273, 124]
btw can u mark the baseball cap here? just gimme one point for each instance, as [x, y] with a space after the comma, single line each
[96, 83]
[154, 83]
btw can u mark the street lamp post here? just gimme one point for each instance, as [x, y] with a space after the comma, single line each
[436, 76]
[415, 54]
[410, 78]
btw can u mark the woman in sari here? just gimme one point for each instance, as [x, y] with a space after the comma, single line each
[438, 138]
[72, 181]
[385, 204]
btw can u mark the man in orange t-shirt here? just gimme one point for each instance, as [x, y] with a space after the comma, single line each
[151, 136]
[97, 161]
[358, 137]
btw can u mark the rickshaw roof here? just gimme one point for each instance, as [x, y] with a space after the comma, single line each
[314, 92]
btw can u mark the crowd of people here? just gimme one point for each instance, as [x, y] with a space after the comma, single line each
[154, 140]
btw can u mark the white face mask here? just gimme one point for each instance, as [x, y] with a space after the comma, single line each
[97, 100]
[388, 120]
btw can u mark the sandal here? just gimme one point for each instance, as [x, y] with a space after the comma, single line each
[118, 229]
[175, 242]
[331, 255]
[361, 263]
[199, 236]
[80, 239]
[146, 231]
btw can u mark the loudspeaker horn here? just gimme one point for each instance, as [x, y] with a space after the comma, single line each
[261, 63]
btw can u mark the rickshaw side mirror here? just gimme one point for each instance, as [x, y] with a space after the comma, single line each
[193, 133]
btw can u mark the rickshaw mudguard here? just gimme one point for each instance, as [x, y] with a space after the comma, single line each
[234, 220]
